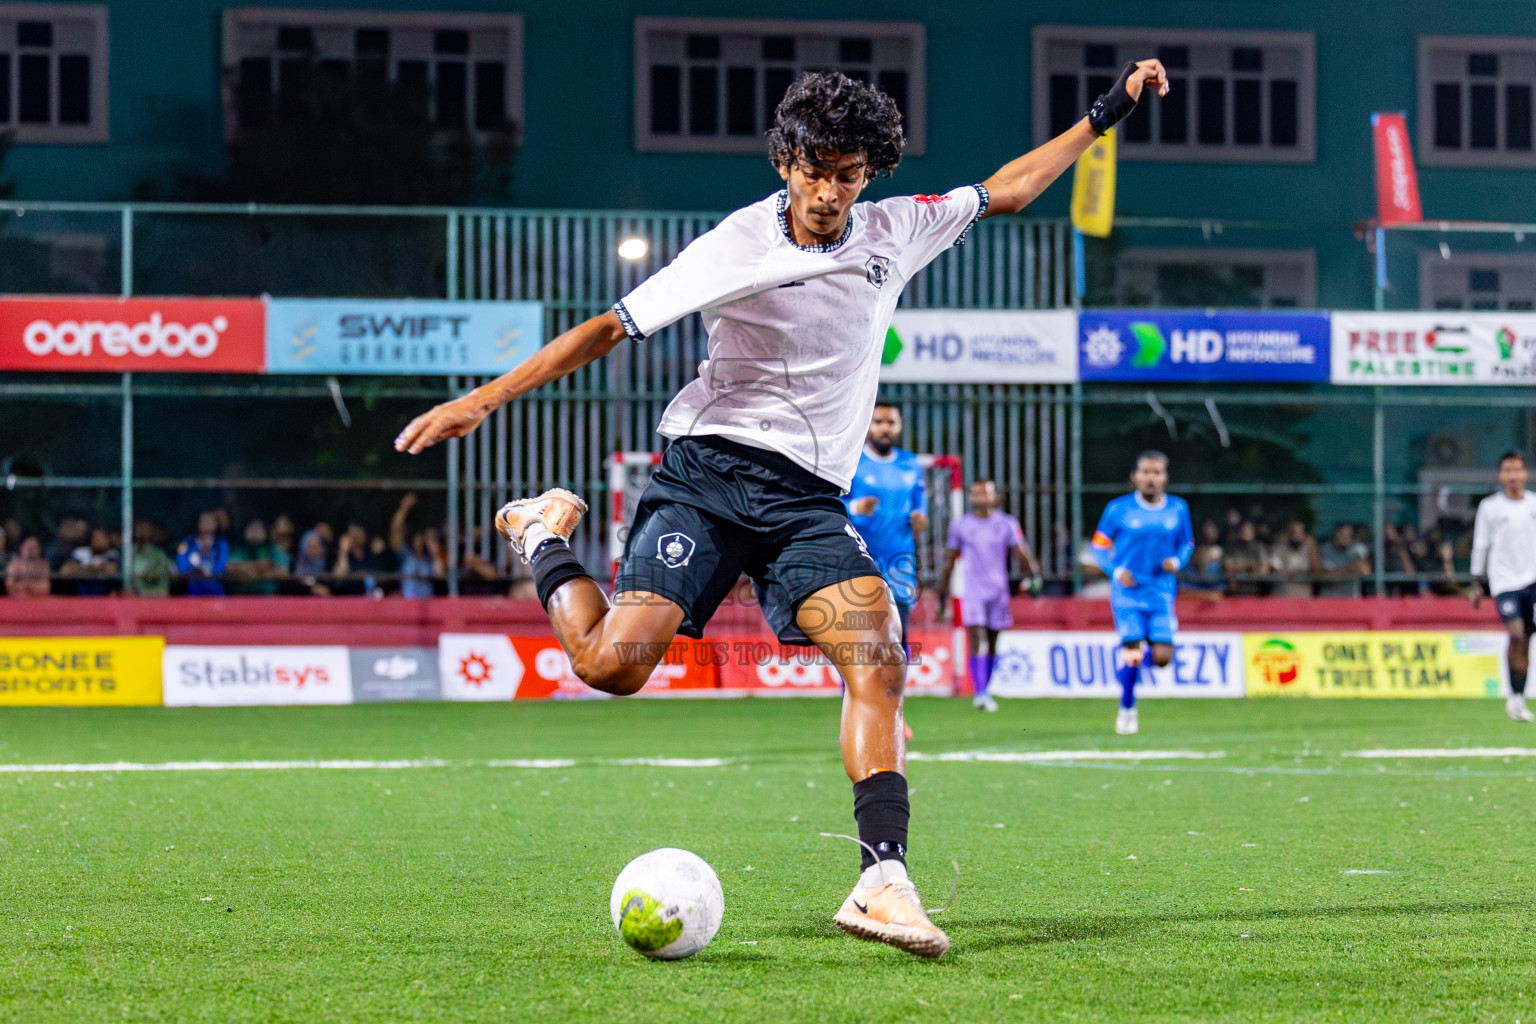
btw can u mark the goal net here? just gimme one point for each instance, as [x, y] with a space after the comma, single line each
[629, 472]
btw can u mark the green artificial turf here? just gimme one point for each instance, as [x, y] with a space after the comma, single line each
[1162, 890]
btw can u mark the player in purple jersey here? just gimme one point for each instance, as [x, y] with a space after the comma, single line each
[983, 540]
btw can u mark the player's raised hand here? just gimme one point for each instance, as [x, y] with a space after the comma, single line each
[451, 419]
[1116, 105]
[1147, 71]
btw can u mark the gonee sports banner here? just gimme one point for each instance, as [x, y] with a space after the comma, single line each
[83, 670]
[1174, 345]
[1384, 664]
[120, 335]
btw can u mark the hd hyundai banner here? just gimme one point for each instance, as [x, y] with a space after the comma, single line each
[1181, 345]
[1005, 346]
[400, 336]
[122, 335]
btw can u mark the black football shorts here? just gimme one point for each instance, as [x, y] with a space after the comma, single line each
[715, 509]
[1518, 606]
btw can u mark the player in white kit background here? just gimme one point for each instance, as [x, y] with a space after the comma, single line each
[797, 291]
[1504, 564]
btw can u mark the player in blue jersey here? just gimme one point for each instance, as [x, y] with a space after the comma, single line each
[888, 504]
[1143, 540]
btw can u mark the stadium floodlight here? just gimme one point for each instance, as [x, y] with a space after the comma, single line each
[633, 249]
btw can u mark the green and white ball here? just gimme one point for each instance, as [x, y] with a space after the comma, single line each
[667, 903]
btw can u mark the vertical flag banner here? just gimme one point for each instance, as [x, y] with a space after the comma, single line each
[1093, 188]
[1397, 183]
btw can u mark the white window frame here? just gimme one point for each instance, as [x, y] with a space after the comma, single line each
[1154, 257]
[1432, 156]
[1431, 260]
[236, 17]
[1126, 39]
[99, 128]
[915, 122]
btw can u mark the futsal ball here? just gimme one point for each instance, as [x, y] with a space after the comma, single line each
[667, 903]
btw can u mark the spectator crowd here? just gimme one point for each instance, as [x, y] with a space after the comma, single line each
[259, 558]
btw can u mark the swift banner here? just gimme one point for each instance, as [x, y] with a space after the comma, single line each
[981, 347]
[1439, 347]
[1173, 345]
[1397, 184]
[1385, 664]
[1082, 664]
[400, 336]
[58, 671]
[121, 335]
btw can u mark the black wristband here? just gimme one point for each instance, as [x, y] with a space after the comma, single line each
[1114, 106]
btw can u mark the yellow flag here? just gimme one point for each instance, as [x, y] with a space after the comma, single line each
[1093, 188]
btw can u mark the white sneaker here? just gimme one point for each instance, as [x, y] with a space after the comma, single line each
[985, 702]
[892, 914]
[1514, 706]
[1125, 722]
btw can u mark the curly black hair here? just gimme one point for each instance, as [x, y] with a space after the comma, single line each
[826, 113]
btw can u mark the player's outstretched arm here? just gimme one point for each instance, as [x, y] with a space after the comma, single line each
[1017, 184]
[582, 344]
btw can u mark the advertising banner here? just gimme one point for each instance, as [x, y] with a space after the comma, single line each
[761, 666]
[1093, 188]
[247, 676]
[1384, 664]
[1436, 347]
[75, 671]
[120, 335]
[1397, 183]
[1190, 345]
[1083, 664]
[394, 673]
[478, 666]
[400, 336]
[981, 346]
[687, 668]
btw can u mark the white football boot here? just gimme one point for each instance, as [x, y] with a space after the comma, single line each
[1125, 722]
[890, 912]
[984, 702]
[1514, 706]
[558, 510]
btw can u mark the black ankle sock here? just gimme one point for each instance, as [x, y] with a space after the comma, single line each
[554, 563]
[1517, 681]
[881, 810]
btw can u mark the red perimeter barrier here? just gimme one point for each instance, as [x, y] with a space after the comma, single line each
[395, 622]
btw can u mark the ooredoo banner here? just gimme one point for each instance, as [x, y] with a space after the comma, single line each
[1384, 664]
[245, 676]
[118, 335]
[81, 670]
[763, 667]
[687, 667]
[1437, 347]
[1184, 345]
[960, 345]
[416, 336]
[1083, 664]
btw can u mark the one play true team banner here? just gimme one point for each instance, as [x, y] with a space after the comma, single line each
[1381, 664]
[390, 336]
[1438, 347]
[1184, 345]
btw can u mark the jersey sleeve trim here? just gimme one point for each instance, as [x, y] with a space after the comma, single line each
[981, 211]
[628, 322]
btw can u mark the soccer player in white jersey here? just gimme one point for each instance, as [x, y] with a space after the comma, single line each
[797, 291]
[1504, 553]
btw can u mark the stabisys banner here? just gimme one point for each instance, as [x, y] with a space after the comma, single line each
[122, 335]
[1436, 347]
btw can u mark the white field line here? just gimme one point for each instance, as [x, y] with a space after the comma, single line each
[1067, 755]
[281, 766]
[1447, 752]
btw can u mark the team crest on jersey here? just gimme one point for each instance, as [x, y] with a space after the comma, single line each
[877, 269]
[674, 549]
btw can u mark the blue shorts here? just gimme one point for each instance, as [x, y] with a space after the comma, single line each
[1152, 621]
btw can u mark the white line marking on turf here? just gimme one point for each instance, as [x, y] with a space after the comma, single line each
[1447, 752]
[533, 762]
[215, 766]
[1366, 871]
[1066, 755]
[671, 762]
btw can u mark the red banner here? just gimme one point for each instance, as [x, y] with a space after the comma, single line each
[1397, 183]
[687, 665]
[761, 666]
[118, 335]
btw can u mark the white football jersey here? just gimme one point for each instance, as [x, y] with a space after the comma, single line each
[795, 332]
[1504, 542]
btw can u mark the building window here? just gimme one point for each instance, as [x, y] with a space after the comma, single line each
[53, 72]
[466, 70]
[1477, 282]
[1475, 101]
[1234, 97]
[711, 85]
[1207, 277]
